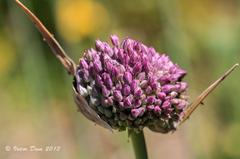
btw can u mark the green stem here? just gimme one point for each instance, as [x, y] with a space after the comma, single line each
[139, 145]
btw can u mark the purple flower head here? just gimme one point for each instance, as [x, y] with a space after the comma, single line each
[131, 85]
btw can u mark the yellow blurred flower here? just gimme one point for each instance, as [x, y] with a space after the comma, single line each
[7, 56]
[79, 18]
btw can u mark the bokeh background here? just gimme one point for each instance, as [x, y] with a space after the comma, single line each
[36, 103]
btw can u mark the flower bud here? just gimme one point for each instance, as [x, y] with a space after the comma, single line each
[115, 40]
[126, 90]
[127, 77]
[137, 112]
[117, 95]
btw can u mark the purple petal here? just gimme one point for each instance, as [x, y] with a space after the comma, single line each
[126, 90]
[134, 85]
[97, 66]
[182, 104]
[166, 104]
[148, 90]
[167, 88]
[99, 81]
[107, 80]
[115, 40]
[127, 102]
[157, 109]
[127, 77]
[161, 95]
[137, 112]
[138, 92]
[150, 107]
[105, 91]
[183, 87]
[83, 64]
[137, 68]
[99, 45]
[117, 95]
[150, 99]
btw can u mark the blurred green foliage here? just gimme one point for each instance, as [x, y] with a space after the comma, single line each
[36, 105]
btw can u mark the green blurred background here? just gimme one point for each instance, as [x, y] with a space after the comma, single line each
[36, 103]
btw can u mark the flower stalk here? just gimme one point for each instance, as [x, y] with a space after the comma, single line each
[139, 145]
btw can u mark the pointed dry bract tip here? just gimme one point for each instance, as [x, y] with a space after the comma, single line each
[56, 48]
[205, 93]
[233, 67]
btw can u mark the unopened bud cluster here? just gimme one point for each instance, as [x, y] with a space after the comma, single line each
[131, 85]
